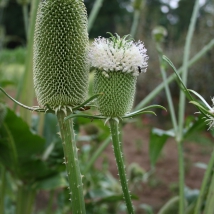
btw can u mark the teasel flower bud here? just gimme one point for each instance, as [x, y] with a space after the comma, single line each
[60, 64]
[137, 4]
[159, 33]
[3, 112]
[118, 63]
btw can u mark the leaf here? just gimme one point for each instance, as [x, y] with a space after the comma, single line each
[201, 98]
[4, 83]
[181, 84]
[196, 124]
[26, 142]
[158, 139]
[202, 109]
[50, 129]
[19, 148]
[146, 208]
[133, 114]
[53, 182]
[171, 206]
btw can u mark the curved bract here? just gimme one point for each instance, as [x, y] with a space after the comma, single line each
[60, 62]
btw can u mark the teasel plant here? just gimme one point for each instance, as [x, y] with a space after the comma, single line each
[117, 62]
[60, 74]
[207, 111]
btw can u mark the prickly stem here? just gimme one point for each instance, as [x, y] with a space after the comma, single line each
[72, 164]
[120, 164]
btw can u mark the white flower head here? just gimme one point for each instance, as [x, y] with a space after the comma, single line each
[118, 54]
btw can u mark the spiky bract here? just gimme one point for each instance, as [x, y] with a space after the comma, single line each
[60, 62]
[118, 62]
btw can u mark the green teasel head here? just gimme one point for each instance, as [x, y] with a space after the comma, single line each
[118, 63]
[60, 62]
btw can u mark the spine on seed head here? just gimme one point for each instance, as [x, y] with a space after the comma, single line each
[118, 62]
[60, 63]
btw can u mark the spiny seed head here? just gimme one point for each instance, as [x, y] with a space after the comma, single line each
[118, 62]
[60, 63]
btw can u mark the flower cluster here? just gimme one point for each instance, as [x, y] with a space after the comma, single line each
[118, 54]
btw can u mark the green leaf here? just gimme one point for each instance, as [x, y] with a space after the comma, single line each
[171, 206]
[181, 84]
[158, 139]
[133, 114]
[52, 182]
[4, 83]
[146, 208]
[195, 125]
[202, 109]
[201, 98]
[50, 129]
[26, 142]
[19, 148]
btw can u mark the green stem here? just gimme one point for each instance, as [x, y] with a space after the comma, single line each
[72, 164]
[120, 164]
[181, 111]
[210, 198]
[136, 19]
[160, 87]
[30, 200]
[25, 199]
[25, 16]
[185, 69]
[3, 188]
[25, 89]
[97, 154]
[93, 14]
[181, 178]
[204, 185]
[171, 203]
[168, 94]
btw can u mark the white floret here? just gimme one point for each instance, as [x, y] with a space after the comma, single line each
[122, 55]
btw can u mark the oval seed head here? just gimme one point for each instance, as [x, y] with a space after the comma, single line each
[118, 62]
[60, 62]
